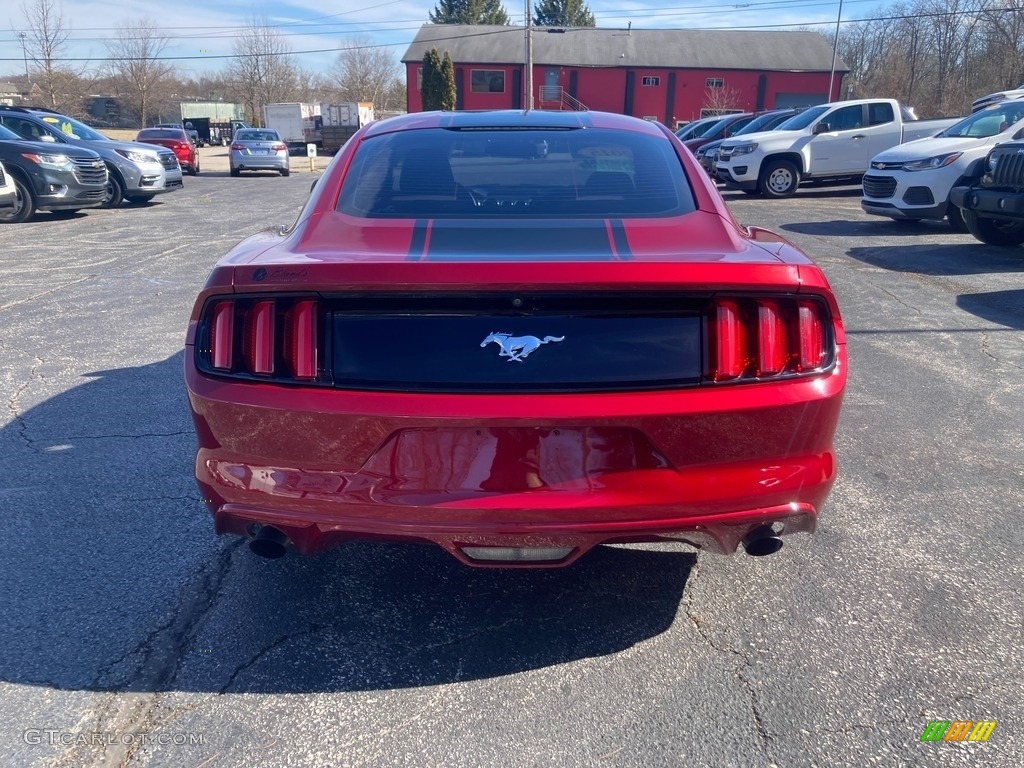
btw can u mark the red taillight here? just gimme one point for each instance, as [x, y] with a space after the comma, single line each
[279, 147]
[812, 336]
[729, 342]
[258, 342]
[237, 147]
[772, 339]
[222, 335]
[279, 337]
[753, 339]
[300, 339]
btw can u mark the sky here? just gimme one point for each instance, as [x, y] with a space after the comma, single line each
[202, 32]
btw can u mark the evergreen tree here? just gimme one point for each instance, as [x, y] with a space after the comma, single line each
[469, 12]
[447, 83]
[430, 81]
[563, 13]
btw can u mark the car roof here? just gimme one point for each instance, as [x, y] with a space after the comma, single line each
[511, 118]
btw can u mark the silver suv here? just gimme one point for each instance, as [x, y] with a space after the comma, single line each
[136, 172]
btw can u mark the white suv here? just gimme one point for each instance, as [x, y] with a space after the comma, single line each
[912, 181]
[7, 190]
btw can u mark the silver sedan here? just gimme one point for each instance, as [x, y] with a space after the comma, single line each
[258, 149]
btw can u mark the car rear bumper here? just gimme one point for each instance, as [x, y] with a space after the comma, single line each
[259, 162]
[707, 466]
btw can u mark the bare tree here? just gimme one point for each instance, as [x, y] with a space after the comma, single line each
[365, 72]
[47, 37]
[262, 71]
[137, 66]
[719, 101]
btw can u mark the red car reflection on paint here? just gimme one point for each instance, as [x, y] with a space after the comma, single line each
[515, 336]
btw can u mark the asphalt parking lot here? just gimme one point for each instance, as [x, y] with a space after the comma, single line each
[132, 636]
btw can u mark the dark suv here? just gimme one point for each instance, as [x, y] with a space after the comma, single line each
[50, 178]
[993, 205]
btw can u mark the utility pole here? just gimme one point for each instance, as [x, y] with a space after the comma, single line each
[835, 47]
[24, 53]
[528, 80]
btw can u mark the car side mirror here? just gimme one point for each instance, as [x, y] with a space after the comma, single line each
[822, 127]
[48, 138]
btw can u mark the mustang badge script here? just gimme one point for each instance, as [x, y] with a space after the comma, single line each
[517, 348]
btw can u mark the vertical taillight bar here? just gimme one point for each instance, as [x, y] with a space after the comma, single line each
[728, 351]
[222, 336]
[300, 341]
[772, 339]
[811, 333]
[258, 344]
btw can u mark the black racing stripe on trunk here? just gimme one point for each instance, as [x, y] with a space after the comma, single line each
[458, 240]
[621, 241]
[419, 238]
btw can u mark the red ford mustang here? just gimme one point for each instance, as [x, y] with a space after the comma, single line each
[516, 336]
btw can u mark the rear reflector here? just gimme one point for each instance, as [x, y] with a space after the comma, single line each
[517, 554]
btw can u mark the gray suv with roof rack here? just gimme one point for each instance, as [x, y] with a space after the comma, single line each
[136, 172]
[49, 178]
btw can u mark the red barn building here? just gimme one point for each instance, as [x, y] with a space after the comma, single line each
[670, 75]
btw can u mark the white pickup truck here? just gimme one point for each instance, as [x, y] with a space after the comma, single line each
[830, 142]
[913, 181]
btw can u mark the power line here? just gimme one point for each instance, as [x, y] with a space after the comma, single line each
[579, 30]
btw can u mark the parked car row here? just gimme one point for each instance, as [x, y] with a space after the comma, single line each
[57, 163]
[969, 171]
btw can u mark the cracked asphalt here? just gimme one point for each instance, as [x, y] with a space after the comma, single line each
[132, 636]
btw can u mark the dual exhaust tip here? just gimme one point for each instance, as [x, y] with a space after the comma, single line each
[272, 543]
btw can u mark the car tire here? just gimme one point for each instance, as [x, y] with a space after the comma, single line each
[780, 178]
[115, 191]
[286, 171]
[234, 172]
[994, 231]
[138, 199]
[955, 217]
[24, 204]
[192, 171]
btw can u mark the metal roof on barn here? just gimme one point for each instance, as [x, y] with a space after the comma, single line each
[788, 51]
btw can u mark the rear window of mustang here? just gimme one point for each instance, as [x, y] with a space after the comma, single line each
[586, 172]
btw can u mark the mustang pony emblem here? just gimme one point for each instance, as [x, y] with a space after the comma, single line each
[517, 347]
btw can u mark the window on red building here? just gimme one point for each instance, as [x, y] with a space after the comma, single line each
[651, 81]
[487, 80]
[714, 82]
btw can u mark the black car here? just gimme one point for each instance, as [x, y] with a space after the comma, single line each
[50, 178]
